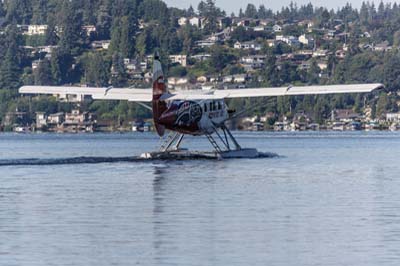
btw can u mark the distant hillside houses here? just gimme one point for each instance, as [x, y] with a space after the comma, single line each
[251, 45]
[31, 30]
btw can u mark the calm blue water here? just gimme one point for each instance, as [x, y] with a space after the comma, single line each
[331, 199]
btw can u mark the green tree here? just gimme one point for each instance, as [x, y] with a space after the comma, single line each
[42, 74]
[251, 11]
[72, 36]
[10, 69]
[118, 74]
[40, 12]
[97, 70]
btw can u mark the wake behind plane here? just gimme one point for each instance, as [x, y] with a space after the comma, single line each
[197, 113]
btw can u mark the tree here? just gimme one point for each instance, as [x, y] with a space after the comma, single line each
[251, 11]
[154, 10]
[51, 37]
[61, 64]
[72, 36]
[382, 104]
[9, 68]
[40, 12]
[42, 74]
[97, 70]
[104, 20]
[19, 12]
[118, 75]
[241, 14]
[190, 12]
[220, 58]
[313, 73]
[127, 37]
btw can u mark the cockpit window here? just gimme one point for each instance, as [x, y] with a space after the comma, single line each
[205, 107]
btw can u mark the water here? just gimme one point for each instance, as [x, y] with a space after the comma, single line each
[330, 199]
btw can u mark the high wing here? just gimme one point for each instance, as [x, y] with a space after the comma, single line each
[145, 95]
[283, 91]
[128, 94]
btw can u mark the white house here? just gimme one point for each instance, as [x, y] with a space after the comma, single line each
[201, 57]
[195, 21]
[277, 28]
[393, 117]
[259, 28]
[306, 40]
[247, 46]
[89, 29]
[290, 40]
[101, 44]
[183, 21]
[179, 59]
[31, 30]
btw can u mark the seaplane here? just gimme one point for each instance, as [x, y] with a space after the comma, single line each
[197, 112]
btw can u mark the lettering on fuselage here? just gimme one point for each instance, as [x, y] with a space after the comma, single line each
[188, 113]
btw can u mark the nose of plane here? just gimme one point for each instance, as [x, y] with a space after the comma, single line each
[168, 118]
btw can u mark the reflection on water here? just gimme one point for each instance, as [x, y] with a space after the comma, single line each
[331, 199]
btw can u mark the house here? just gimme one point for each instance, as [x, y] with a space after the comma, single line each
[177, 81]
[382, 47]
[89, 29]
[345, 115]
[253, 62]
[243, 23]
[272, 43]
[253, 59]
[248, 46]
[48, 49]
[55, 119]
[205, 43]
[365, 35]
[320, 53]
[41, 120]
[341, 54]
[259, 28]
[224, 22]
[35, 64]
[322, 65]
[17, 117]
[308, 23]
[98, 45]
[77, 121]
[183, 21]
[195, 21]
[32, 30]
[202, 79]
[133, 68]
[201, 57]
[239, 78]
[306, 65]
[331, 34]
[277, 28]
[179, 59]
[290, 40]
[306, 40]
[393, 117]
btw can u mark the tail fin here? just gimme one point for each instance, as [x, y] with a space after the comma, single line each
[159, 88]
